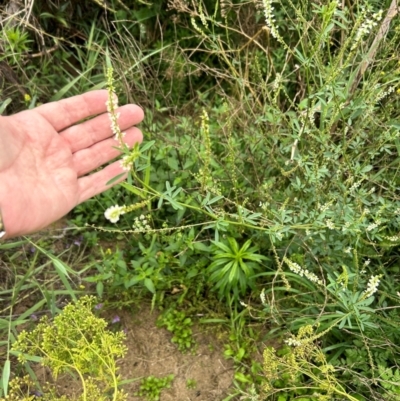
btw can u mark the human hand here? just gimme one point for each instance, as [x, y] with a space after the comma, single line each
[45, 158]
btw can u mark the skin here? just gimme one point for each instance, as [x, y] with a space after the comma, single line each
[47, 155]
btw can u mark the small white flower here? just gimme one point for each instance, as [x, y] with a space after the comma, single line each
[269, 18]
[125, 163]
[113, 213]
[296, 268]
[262, 296]
[366, 27]
[118, 134]
[348, 250]
[372, 286]
[325, 206]
[355, 186]
[111, 106]
[293, 342]
[330, 224]
[372, 226]
[346, 226]
[393, 238]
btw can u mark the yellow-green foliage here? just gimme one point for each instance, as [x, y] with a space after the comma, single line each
[24, 389]
[77, 342]
[302, 364]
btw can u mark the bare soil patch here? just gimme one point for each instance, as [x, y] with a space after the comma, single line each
[151, 353]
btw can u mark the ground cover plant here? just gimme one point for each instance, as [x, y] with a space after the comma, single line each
[267, 185]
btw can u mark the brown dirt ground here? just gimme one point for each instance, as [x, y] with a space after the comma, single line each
[151, 353]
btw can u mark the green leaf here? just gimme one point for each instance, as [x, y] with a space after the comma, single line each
[200, 246]
[137, 191]
[38, 305]
[239, 376]
[245, 246]
[367, 168]
[100, 289]
[216, 199]
[115, 179]
[147, 145]
[5, 377]
[234, 245]
[149, 285]
[222, 246]
[240, 354]
[254, 257]
[224, 256]
[233, 275]
[147, 172]
[4, 105]
[11, 245]
[61, 93]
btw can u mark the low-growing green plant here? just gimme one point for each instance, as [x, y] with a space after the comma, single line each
[16, 42]
[233, 267]
[191, 384]
[151, 387]
[180, 326]
[389, 379]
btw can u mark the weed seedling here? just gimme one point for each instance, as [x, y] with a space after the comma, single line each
[180, 326]
[151, 387]
[191, 384]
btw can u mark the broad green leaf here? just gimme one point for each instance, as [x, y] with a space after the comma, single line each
[149, 285]
[5, 377]
[115, 179]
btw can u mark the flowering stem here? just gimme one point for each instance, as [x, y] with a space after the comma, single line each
[157, 194]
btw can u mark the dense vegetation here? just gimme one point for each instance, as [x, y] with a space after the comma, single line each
[267, 187]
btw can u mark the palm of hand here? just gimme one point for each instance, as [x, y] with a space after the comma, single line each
[44, 158]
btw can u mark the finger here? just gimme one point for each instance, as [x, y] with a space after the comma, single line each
[88, 159]
[94, 184]
[66, 112]
[88, 133]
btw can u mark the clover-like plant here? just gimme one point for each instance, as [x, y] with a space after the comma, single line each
[151, 387]
[180, 326]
